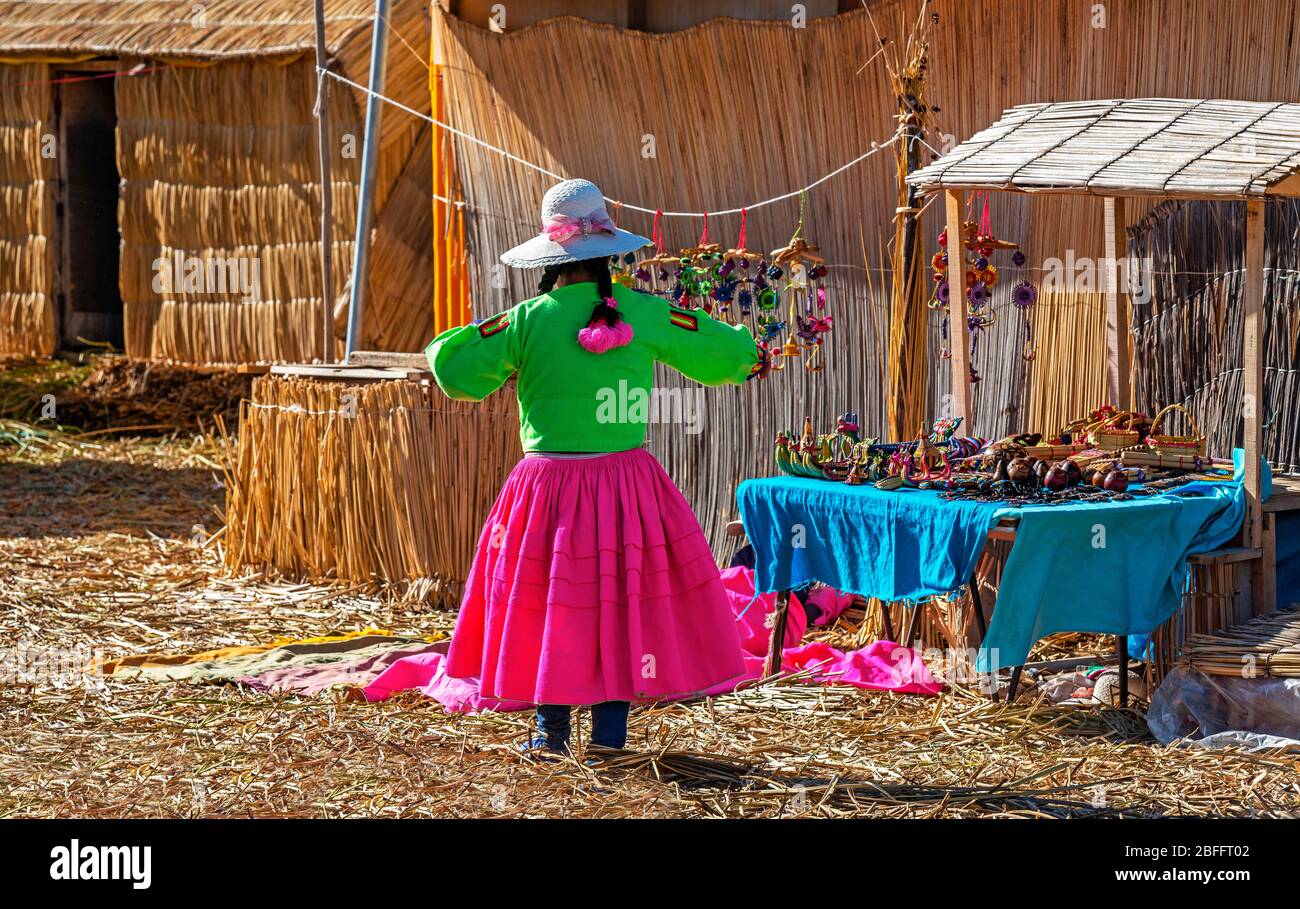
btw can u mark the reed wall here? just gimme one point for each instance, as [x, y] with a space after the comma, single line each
[1188, 333]
[217, 149]
[218, 163]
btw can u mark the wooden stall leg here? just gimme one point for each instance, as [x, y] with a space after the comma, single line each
[1263, 571]
[977, 605]
[1014, 684]
[1121, 648]
[887, 621]
[1243, 606]
[777, 644]
[913, 625]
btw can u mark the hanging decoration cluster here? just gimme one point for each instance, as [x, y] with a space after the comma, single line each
[979, 275]
[778, 294]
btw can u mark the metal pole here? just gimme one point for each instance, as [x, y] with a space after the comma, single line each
[369, 163]
[326, 191]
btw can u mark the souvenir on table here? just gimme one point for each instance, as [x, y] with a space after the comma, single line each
[1108, 429]
[1193, 445]
[822, 457]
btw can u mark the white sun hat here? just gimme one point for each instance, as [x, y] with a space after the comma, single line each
[575, 226]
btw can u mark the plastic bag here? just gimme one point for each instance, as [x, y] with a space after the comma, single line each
[1226, 711]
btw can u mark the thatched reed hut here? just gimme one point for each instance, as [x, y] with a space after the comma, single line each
[159, 179]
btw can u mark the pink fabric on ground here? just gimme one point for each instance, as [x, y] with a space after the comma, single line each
[427, 672]
[752, 621]
[593, 582]
[830, 602]
[882, 665]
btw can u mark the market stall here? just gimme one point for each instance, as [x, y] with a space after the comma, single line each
[919, 528]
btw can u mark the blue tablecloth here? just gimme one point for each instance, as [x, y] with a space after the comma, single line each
[891, 545]
[1114, 568]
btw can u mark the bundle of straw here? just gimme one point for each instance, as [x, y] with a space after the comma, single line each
[387, 482]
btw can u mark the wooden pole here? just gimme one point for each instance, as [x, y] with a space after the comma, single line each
[326, 190]
[1252, 360]
[1118, 385]
[776, 644]
[908, 312]
[958, 331]
[369, 165]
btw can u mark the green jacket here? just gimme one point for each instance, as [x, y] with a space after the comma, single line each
[569, 398]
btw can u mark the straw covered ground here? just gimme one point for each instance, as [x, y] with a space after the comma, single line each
[107, 547]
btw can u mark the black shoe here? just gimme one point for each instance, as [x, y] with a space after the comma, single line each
[539, 748]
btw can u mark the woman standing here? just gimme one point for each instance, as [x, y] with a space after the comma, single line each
[592, 583]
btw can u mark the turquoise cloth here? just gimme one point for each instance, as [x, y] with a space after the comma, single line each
[912, 544]
[1115, 569]
[892, 545]
[1056, 579]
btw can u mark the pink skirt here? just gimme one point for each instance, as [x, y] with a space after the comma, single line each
[593, 582]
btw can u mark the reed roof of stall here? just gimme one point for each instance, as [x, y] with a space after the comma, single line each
[1162, 147]
[217, 29]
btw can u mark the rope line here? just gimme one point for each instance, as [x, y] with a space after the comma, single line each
[875, 148]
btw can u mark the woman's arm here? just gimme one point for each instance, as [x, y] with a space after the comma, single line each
[706, 350]
[472, 361]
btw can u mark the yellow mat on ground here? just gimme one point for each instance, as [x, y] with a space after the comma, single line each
[158, 660]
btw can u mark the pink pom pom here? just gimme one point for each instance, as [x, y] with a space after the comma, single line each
[600, 337]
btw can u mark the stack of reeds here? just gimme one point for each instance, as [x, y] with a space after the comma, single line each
[1265, 647]
[385, 482]
[26, 211]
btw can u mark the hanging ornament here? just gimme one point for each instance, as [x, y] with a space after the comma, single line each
[979, 275]
[803, 266]
[656, 273]
[1023, 297]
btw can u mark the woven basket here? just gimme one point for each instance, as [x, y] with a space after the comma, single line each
[1054, 452]
[1193, 445]
[1115, 432]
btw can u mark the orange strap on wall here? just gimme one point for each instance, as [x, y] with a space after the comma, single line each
[451, 303]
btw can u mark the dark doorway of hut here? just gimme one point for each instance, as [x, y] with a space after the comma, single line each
[89, 246]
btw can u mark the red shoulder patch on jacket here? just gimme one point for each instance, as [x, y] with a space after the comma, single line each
[683, 320]
[489, 327]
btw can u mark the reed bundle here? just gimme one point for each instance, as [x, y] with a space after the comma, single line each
[365, 483]
[1265, 647]
[638, 87]
[26, 213]
[908, 68]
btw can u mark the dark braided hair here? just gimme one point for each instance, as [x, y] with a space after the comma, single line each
[599, 270]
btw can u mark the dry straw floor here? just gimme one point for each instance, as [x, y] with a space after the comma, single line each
[103, 547]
